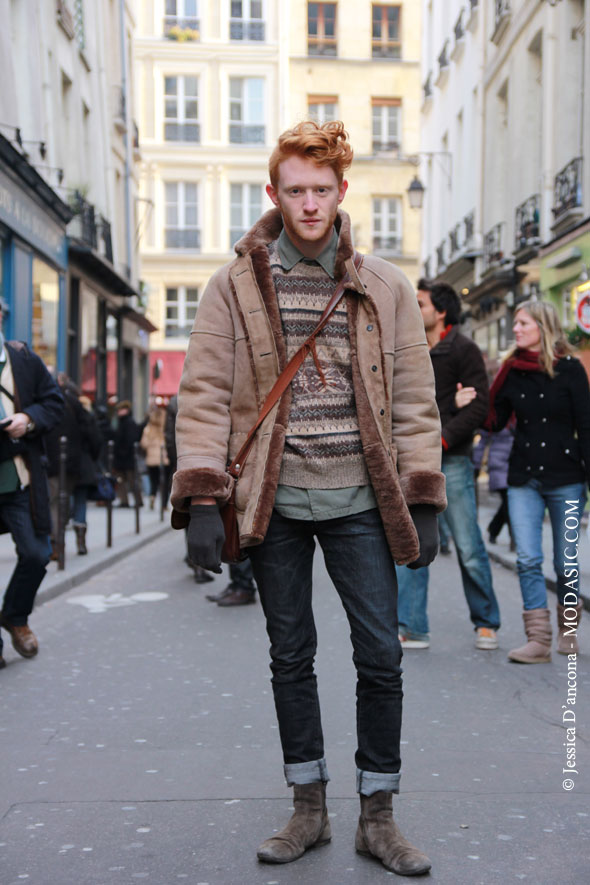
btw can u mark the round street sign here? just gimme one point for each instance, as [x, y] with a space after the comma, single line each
[583, 311]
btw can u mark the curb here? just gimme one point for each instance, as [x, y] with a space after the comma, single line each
[68, 582]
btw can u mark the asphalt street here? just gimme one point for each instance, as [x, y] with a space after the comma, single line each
[141, 744]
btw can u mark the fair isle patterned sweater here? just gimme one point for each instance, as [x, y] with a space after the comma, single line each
[323, 447]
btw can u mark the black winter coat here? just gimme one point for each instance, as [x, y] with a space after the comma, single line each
[127, 433]
[458, 359]
[74, 427]
[37, 394]
[552, 440]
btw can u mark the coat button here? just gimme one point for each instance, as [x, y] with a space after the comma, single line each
[381, 411]
[373, 368]
[369, 328]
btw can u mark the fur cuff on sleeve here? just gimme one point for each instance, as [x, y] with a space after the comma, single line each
[200, 482]
[425, 487]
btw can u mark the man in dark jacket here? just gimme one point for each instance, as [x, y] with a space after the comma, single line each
[457, 362]
[128, 432]
[30, 405]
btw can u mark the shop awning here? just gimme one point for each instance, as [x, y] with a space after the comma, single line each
[99, 268]
[170, 366]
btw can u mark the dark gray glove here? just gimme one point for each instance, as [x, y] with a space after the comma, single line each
[205, 537]
[424, 517]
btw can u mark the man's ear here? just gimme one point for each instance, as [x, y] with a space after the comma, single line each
[342, 190]
[271, 191]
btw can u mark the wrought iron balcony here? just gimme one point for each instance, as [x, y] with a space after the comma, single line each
[440, 257]
[241, 29]
[427, 268]
[526, 223]
[105, 242]
[240, 133]
[443, 59]
[380, 146]
[84, 223]
[454, 240]
[567, 189]
[182, 132]
[182, 28]
[492, 247]
[428, 86]
[182, 238]
[459, 28]
[387, 244]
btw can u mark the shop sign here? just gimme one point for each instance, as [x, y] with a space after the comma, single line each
[26, 218]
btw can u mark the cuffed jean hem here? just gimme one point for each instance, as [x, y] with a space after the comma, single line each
[369, 782]
[307, 772]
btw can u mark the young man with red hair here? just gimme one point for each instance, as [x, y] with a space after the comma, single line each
[350, 456]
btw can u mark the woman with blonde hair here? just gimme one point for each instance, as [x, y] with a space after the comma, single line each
[153, 444]
[546, 388]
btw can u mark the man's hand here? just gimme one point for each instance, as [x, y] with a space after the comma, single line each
[464, 396]
[18, 425]
[424, 516]
[205, 537]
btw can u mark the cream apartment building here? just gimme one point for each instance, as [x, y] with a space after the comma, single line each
[217, 83]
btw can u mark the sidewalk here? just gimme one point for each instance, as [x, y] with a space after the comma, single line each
[500, 551]
[79, 569]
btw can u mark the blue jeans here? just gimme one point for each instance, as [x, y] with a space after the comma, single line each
[80, 497]
[32, 552]
[461, 517]
[526, 506]
[360, 565]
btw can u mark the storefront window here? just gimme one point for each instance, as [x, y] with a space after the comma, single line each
[88, 342]
[45, 312]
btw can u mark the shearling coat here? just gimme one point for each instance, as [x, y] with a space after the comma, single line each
[235, 355]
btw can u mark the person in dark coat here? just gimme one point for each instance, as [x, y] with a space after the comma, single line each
[126, 434]
[30, 405]
[543, 384]
[92, 442]
[457, 361]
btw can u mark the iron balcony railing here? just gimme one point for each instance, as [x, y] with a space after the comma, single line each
[84, 211]
[492, 246]
[427, 268]
[390, 145]
[386, 244]
[181, 23]
[567, 189]
[105, 238]
[459, 28]
[454, 240]
[440, 257]
[428, 86]
[242, 29]
[182, 238]
[240, 133]
[526, 222]
[182, 132]
[443, 59]
[469, 223]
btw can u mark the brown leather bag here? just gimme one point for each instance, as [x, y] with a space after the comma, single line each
[231, 548]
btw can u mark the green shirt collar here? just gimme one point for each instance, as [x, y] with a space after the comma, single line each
[290, 254]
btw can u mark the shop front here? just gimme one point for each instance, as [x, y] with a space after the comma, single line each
[34, 258]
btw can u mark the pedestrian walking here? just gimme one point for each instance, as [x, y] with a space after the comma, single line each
[153, 443]
[498, 447]
[30, 405]
[456, 361]
[349, 457]
[126, 434]
[201, 576]
[91, 446]
[542, 383]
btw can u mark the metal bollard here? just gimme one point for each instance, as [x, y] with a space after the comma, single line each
[136, 485]
[63, 504]
[110, 456]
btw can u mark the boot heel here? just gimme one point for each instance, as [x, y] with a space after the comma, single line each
[359, 843]
[326, 834]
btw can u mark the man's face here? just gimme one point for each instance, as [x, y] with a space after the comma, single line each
[430, 315]
[308, 197]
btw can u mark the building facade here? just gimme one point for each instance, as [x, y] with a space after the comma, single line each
[68, 137]
[218, 82]
[516, 136]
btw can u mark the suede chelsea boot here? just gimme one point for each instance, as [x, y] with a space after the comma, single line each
[309, 826]
[537, 649]
[378, 836]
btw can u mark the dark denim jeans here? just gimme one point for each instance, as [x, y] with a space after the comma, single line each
[32, 552]
[360, 565]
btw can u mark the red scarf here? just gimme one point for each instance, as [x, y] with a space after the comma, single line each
[524, 361]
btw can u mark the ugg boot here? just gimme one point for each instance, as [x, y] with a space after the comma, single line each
[309, 825]
[80, 530]
[567, 638]
[378, 835]
[537, 626]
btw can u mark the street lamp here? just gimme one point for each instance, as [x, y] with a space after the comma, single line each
[416, 193]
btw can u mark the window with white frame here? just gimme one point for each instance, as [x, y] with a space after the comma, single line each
[322, 108]
[181, 109]
[386, 114]
[182, 15]
[245, 208]
[246, 20]
[387, 232]
[246, 110]
[182, 215]
[181, 307]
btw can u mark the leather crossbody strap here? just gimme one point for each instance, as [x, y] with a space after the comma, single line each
[290, 371]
